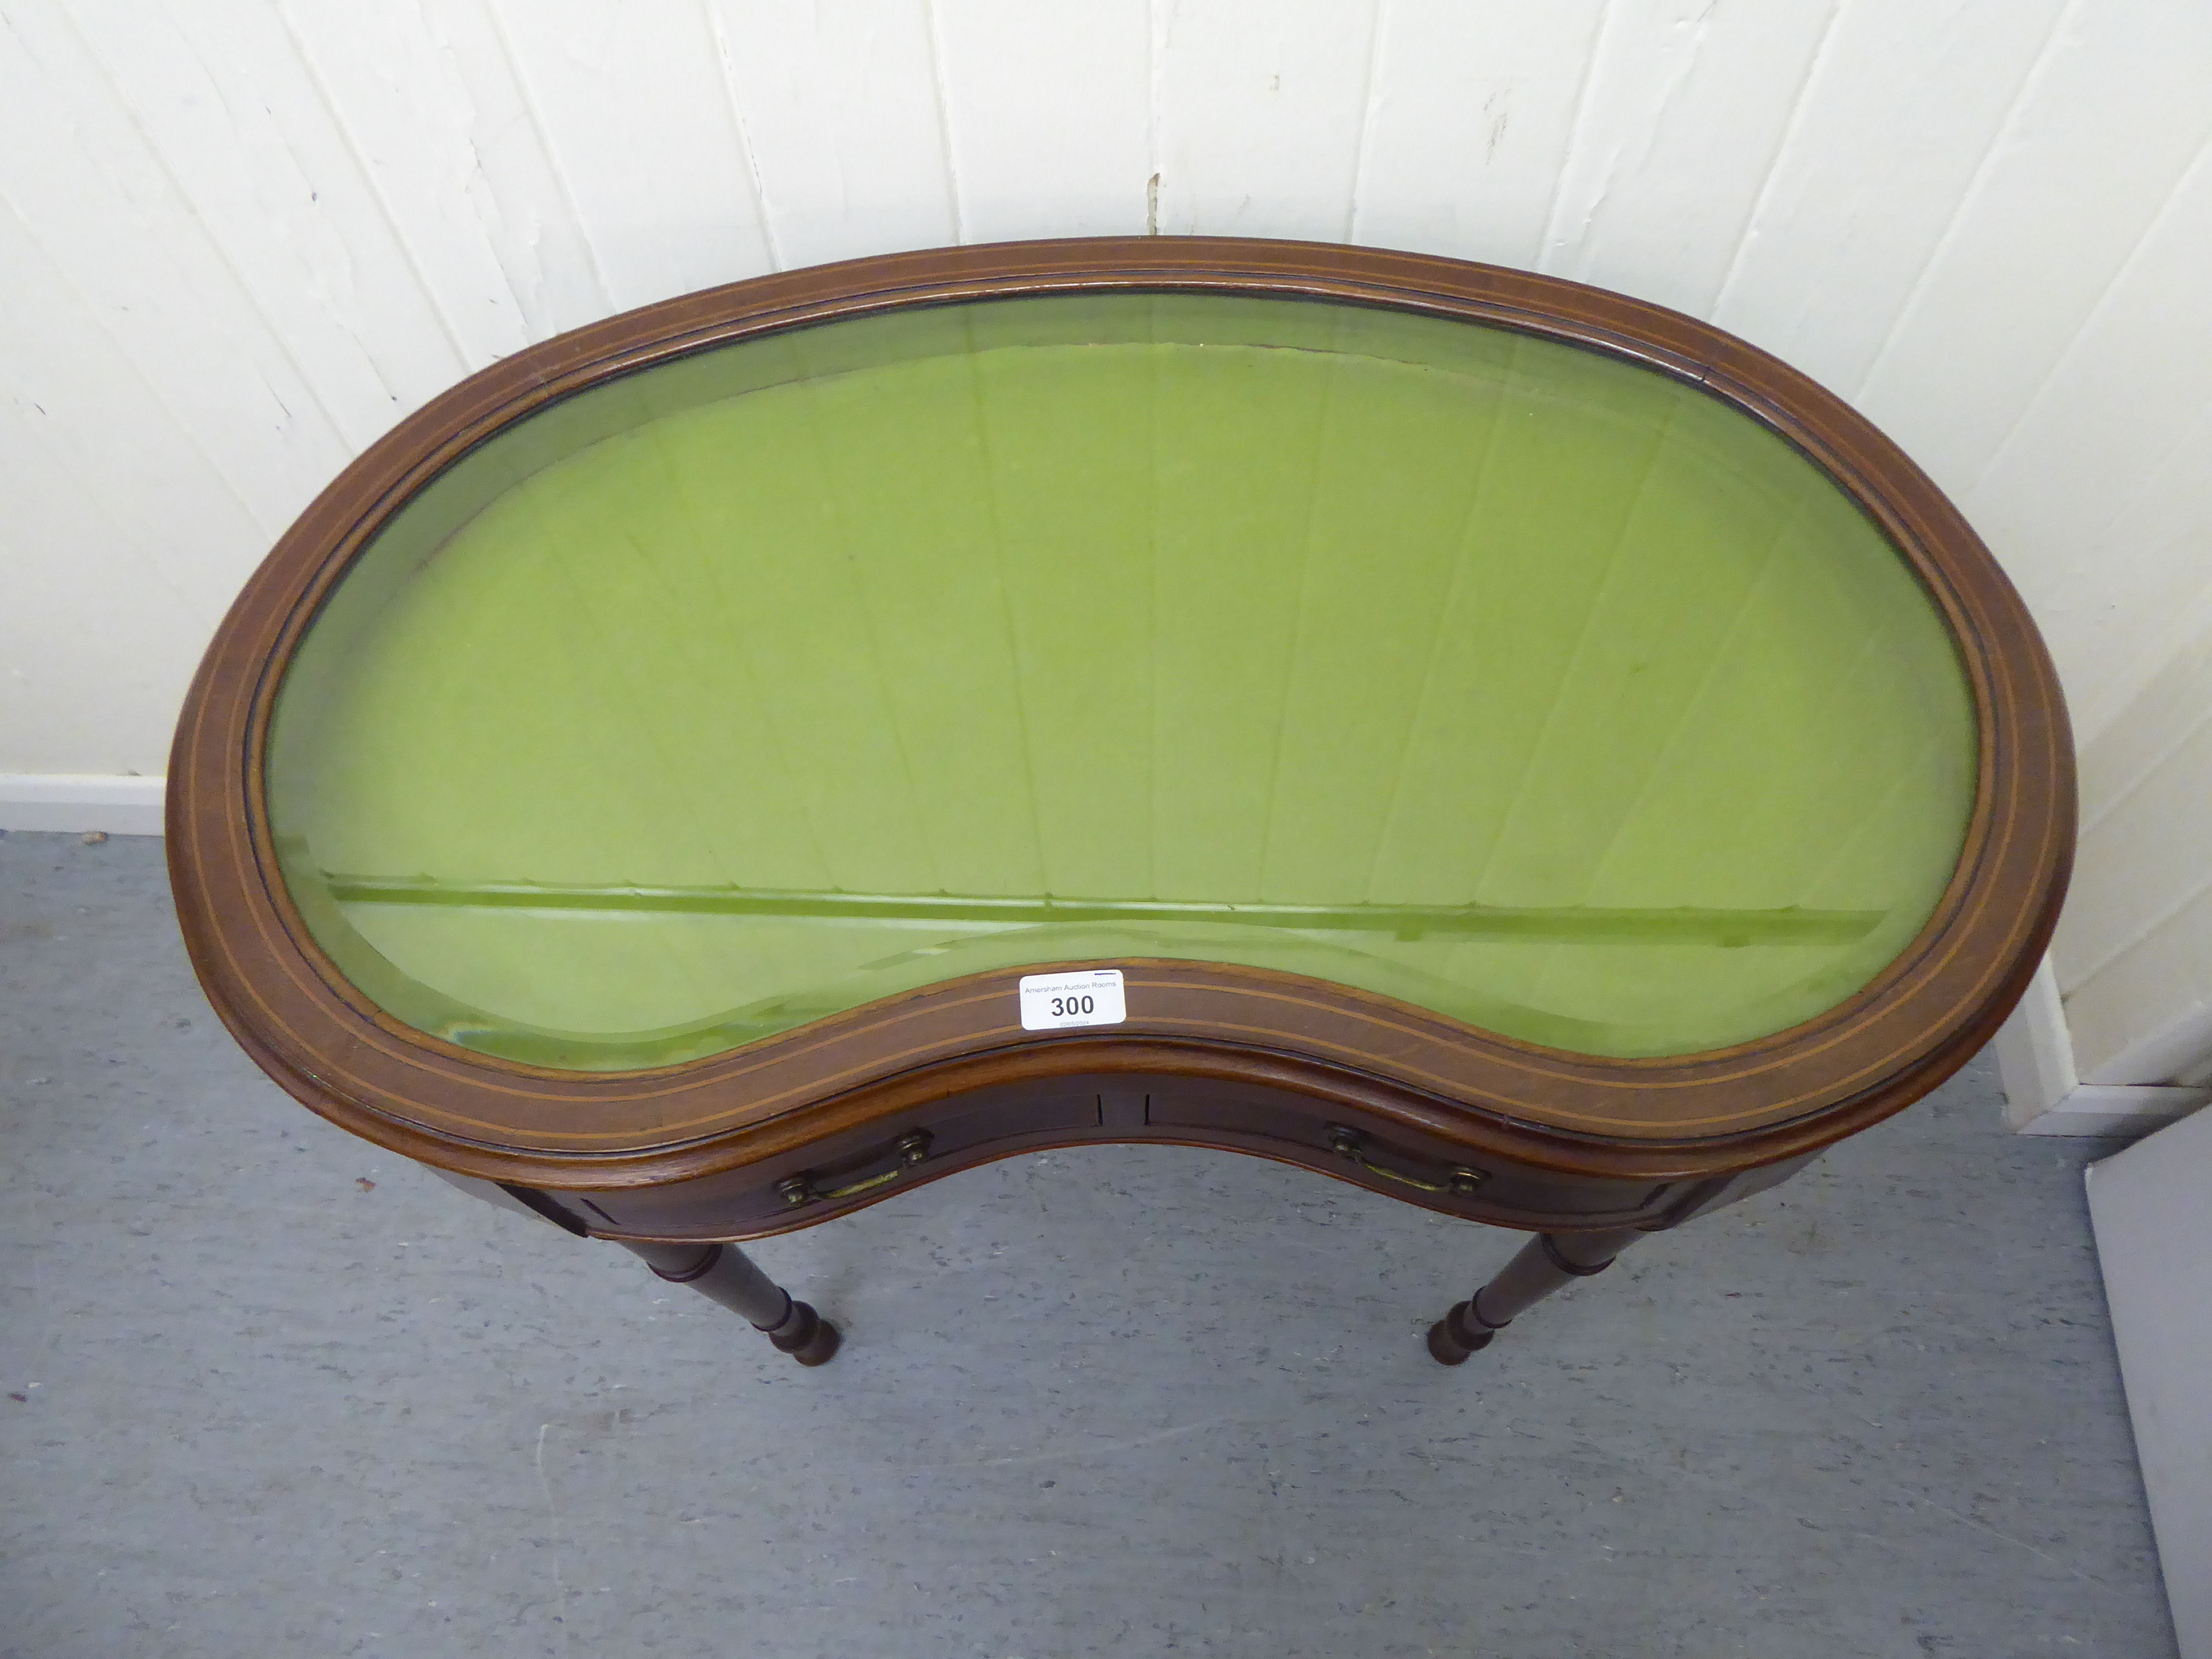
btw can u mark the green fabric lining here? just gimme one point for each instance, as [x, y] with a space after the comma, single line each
[1520, 682]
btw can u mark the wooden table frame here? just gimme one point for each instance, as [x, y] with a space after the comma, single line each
[796, 1128]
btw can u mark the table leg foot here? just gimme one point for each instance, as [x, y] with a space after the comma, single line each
[806, 1335]
[1543, 1264]
[724, 1274]
[1459, 1334]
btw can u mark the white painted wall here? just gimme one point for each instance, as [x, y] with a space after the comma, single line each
[239, 238]
[2134, 951]
[2045, 1093]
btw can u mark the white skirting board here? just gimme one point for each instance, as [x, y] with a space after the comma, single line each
[2043, 1093]
[77, 802]
[2154, 1247]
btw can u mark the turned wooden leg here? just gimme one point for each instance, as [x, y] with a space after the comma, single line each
[1544, 1263]
[724, 1274]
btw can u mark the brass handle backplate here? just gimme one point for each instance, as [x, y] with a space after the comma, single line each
[1459, 1181]
[912, 1148]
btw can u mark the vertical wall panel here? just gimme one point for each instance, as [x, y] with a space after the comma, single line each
[119, 539]
[2100, 141]
[1680, 123]
[429, 106]
[637, 113]
[1473, 108]
[2102, 436]
[2151, 873]
[2134, 949]
[106, 438]
[235, 120]
[1906, 104]
[2144, 1015]
[122, 248]
[1048, 110]
[1262, 111]
[147, 631]
[2122, 639]
[839, 105]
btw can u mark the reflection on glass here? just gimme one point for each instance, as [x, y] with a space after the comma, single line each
[1490, 674]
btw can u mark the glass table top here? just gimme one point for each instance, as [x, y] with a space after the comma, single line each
[1511, 680]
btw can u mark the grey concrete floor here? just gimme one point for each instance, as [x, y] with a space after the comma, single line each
[269, 1390]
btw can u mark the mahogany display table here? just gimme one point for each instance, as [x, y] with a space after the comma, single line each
[1497, 743]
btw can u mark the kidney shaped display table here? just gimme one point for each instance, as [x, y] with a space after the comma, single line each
[1497, 743]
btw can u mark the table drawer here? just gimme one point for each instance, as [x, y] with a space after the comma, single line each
[838, 1171]
[1408, 1163]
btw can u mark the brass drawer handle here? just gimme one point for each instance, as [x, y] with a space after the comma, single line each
[912, 1148]
[1461, 1182]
